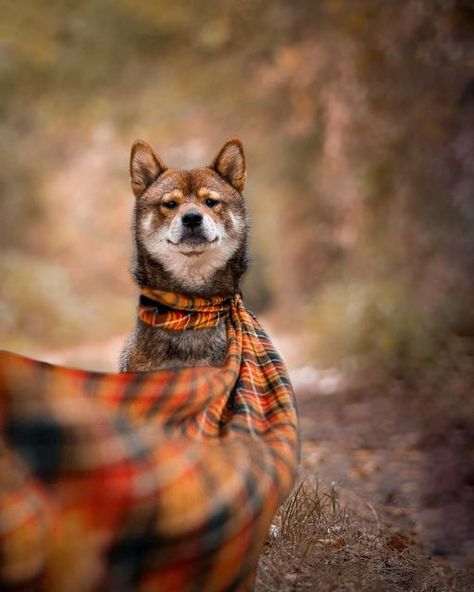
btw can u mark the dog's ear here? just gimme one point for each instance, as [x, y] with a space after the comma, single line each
[145, 167]
[230, 163]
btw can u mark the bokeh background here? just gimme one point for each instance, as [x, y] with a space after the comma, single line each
[358, 124]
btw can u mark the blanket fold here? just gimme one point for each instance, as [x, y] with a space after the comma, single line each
[155, 481]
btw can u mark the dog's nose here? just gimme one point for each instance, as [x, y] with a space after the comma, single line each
[192, 219]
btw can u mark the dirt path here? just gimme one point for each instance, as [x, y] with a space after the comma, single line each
[412, 463]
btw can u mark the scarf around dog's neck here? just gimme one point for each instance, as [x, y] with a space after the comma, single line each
[178, 312]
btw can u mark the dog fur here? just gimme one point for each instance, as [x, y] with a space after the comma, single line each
[190, 230]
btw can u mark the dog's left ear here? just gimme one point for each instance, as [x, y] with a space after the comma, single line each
[230, 163]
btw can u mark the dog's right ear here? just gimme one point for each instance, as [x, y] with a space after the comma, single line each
[145, 166]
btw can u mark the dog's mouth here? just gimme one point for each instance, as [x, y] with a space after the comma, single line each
[193, 244]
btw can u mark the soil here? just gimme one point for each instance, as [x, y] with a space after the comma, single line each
[408, 460]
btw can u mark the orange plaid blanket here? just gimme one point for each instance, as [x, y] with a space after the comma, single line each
[160, 481]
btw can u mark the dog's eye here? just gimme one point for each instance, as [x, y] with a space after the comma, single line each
[170, 205]
[211, 202]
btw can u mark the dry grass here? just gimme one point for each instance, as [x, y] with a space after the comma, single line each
[319, 544]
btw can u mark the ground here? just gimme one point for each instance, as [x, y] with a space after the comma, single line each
[388, 476]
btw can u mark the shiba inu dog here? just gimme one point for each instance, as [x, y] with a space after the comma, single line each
[190, 231]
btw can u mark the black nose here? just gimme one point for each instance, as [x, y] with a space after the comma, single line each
[192, 219]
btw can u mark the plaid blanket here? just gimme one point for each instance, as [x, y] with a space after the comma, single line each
[160, 481]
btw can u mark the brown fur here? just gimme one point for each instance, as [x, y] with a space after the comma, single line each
[203, 261]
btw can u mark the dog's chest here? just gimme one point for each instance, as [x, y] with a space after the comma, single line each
[164, 348]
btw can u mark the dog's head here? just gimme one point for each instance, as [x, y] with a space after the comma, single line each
[192, 223]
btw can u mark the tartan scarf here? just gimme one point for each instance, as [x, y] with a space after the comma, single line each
[175, 312]
[159, 481]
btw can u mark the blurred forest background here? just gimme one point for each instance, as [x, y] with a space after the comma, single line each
[358, 121]
[358, 124]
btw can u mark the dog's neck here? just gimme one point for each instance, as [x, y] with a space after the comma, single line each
[149, 273]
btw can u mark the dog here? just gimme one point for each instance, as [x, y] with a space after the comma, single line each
[190, 229]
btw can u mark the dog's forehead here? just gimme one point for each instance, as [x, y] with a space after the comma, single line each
[191, 182]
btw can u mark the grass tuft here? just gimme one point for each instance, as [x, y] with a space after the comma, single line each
[317, 543]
